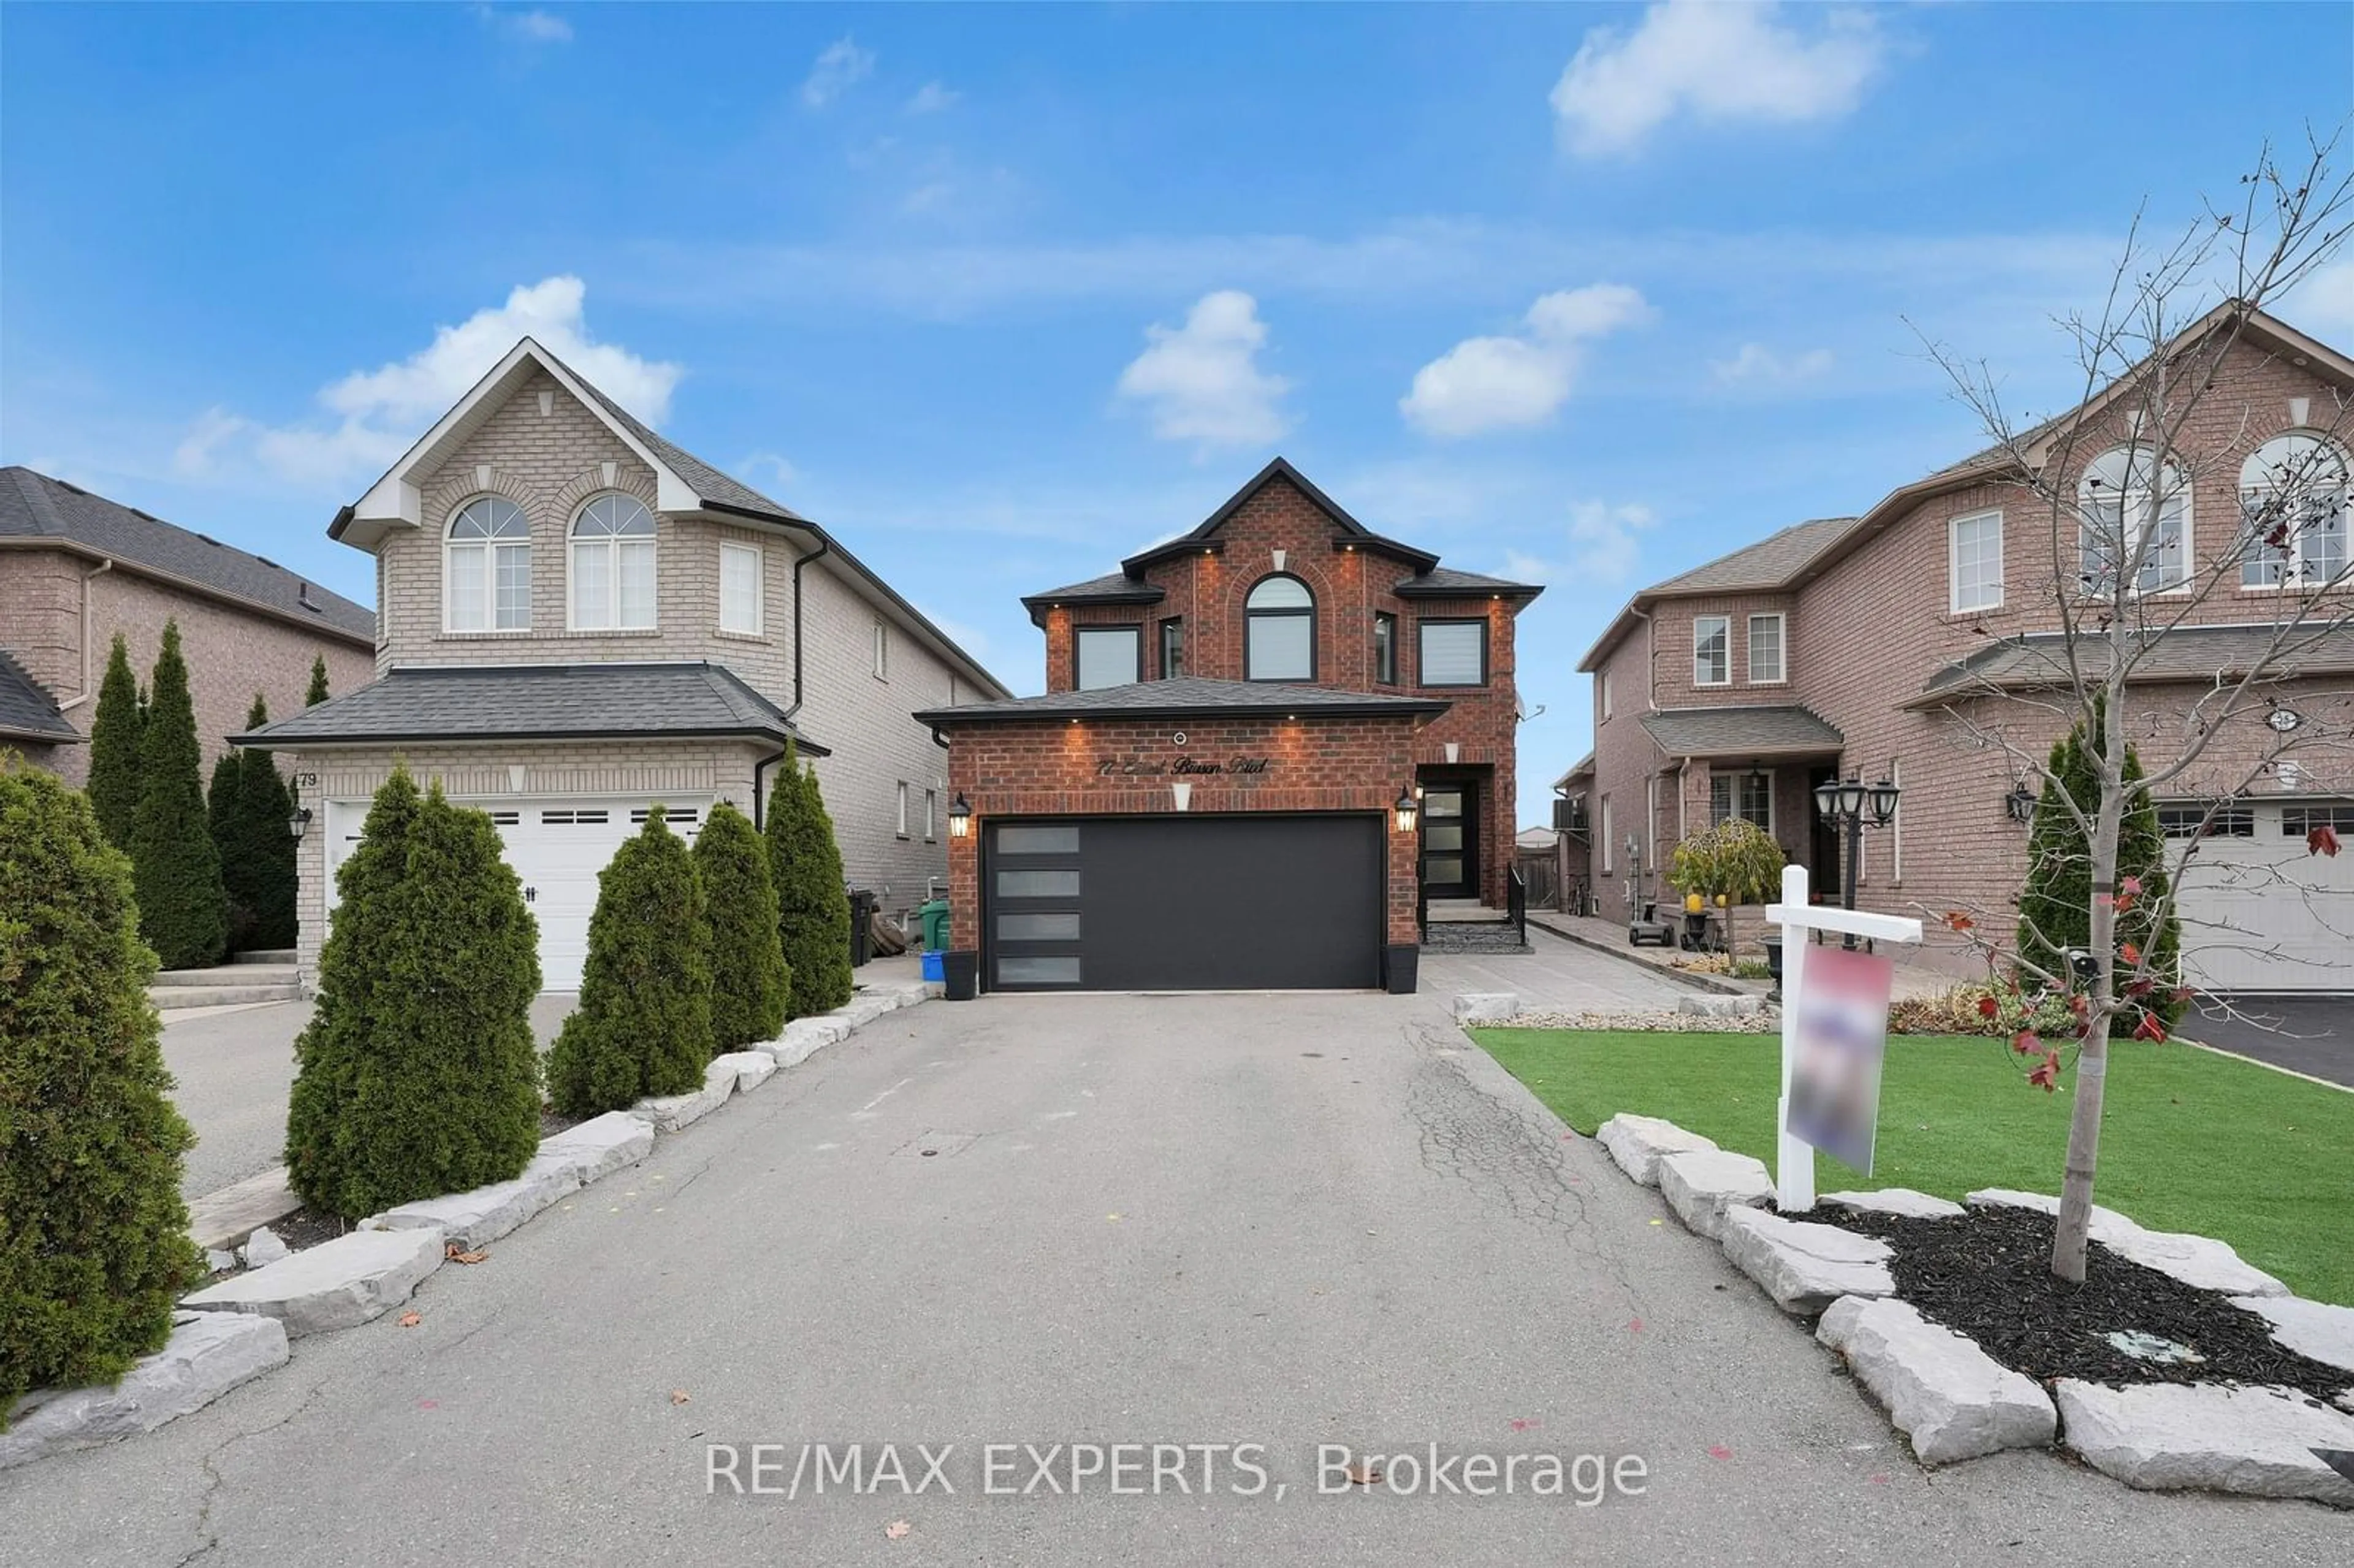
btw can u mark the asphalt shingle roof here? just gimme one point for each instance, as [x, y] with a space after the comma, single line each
[33, 505]
[709, 483]
[1440, 581]
[1718, 732]
[1116, 585]
[1188, 694]
[2185, 654]
[537, 702]
[27, 709]
[1768, 564]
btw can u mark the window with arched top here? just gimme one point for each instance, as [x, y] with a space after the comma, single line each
[2134, 511]
[2293, 513]
[613, 565]
[486, 567]
[1280, 630]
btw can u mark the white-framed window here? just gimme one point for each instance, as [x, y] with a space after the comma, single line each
[1749, 796]
[931, 816]
[1605, 684]
[1107, 656]
[1609, 844]
[902, 828]
[613, 565]
[1280, 630]
[2135, 507]
[1974, 562]
[741, 590]
[882, 651]
[1453, 653]
[2294, 513]
[1767, 658]
[486, 567]
[1712, 651]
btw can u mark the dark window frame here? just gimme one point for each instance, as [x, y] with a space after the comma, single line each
[1385, 648]
[1135, 630]
[1173, 626]
[1487, 640]
[1251, 616]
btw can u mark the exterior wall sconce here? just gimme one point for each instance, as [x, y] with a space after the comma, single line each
[2020, 804]
[298, 822]
[1406, 808]
[960, 816]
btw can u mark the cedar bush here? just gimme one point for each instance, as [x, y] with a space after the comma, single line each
[2055, 908]
[94, 1248]
[439, 1091]
[182, 908]
[222, 804]
[749, 980]
[814, 906]
[257, 853]
[318, 692]
[643, 1026]
[114, 731]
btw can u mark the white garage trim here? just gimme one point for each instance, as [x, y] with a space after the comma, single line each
[2259, 911]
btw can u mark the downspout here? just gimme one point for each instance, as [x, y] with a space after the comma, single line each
[760, 796]
[87, 687]
[759, 768]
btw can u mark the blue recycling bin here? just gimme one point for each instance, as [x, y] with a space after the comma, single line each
[936, 969]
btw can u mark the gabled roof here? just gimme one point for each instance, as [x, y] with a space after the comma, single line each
[1279, 468]
[2200, 654]
[537, 702]
[1741, 732]
[28, 711]
[1446, 582]
[36, 509]
[1188, 696]
[1581, 768]
[1774, 562]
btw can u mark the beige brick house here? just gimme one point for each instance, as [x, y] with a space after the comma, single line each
[1884, 646]
[77, 568]
[580, 620]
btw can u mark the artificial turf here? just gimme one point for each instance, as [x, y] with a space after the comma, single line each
[2190, 1140]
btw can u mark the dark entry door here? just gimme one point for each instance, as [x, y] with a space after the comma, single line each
[1450, 840]
[1185, 903]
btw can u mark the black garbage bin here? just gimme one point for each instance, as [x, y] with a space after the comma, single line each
[862, 926]
[963, 972]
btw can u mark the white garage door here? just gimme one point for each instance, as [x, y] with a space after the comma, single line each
[2259, 911]
[557, 847]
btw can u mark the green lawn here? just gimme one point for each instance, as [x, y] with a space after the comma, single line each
[2191, 1142]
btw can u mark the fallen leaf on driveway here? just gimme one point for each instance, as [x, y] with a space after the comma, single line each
[1719, 1451]
[456, 1253]
[1525, 1423]
[1636, 1326]
[678, 1396]
[1655, 1221]
[1363, 1475]
[410, 1320]
[897, 1529]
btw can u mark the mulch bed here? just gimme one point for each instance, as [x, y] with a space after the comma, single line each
[302, 1228]
[1989, 1275]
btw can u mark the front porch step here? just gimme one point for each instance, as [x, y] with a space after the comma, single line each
[1463, 912]
[266, 956]
[1466, 937]
[167, 998]
[236, 974]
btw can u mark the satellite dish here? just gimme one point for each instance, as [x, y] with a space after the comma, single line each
[1521, 711]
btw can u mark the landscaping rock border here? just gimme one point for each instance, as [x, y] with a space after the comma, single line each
[2200, 1262]
[1637, 1143]
[1949, 1397]
[336, 1285]
[2206, 1437]
[1806, 1267]
[209, 1354]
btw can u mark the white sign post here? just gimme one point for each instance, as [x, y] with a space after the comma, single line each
[1794, 1157]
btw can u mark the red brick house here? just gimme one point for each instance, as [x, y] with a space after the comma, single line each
[1887, 645]
[1208, 794]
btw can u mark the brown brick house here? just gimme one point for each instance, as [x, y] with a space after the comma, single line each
[1206, 796]
[77, 568]
[1883, 646]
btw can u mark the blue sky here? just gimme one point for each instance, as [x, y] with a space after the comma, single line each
[1587, 293]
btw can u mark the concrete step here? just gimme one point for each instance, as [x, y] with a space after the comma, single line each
[1464, 912]
[238, 974]
[266, 956]
[166, 997]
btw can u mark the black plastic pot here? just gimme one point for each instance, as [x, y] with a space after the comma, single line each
[1401, 967]
[963, 971]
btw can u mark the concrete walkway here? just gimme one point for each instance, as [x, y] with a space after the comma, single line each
[1554, 976]
[1610, 936]
[1286, 1221]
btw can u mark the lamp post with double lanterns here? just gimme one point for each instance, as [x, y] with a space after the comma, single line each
[1851, 804]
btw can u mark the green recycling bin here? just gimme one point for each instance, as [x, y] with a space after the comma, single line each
[935, 916]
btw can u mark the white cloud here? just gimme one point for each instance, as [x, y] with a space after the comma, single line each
[767, 468]
[527, 26]
[1758, 365]
[1202, 380]
[1715, 62]
[840, 66]
[932, 98]
[378, 413]
[1602, 538]
[1490, 382]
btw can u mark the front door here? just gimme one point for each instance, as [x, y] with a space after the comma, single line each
[1450, 840]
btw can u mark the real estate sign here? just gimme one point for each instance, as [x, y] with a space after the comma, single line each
[1841, 1024]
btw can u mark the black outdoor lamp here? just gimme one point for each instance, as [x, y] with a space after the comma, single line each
[1850, 804]
[1406, 808]
[2020, 804]
[301, 819]
[959, 817]
[1884, 803]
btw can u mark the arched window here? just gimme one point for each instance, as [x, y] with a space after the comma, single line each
[1280, 630]
[613, 565]
[486, 567]
[2135, 517]
[2293, 510]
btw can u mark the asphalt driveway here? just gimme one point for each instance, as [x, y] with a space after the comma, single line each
[1289, 1221]
[2309, 1034]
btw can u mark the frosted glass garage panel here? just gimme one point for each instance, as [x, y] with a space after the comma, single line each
[1063, 839]
[1037, 884]
[1038, 928]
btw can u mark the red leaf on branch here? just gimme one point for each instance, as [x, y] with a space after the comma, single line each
[1988, 1007]
[2028, 1043]
[2046, 1074]
[2130, 953]
[1957, 921]
[2182, 995]
[2141, 988]
[2131, 884]
[2149, 1027]
[2322, 839]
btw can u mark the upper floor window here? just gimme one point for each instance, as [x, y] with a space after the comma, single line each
[1384, 648]
[1107, 656]
[1712, 650]
[1605, 685]
[1767, 657]
[613, 565]
[2293, 507]
[1454, 652]
[1280, 630]
[486, 567]
[1172, 648]
[2134, 511]
[1974, 562]
[740, 589]
[881, 651]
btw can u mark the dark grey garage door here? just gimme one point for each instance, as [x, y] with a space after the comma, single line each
[1185, 903]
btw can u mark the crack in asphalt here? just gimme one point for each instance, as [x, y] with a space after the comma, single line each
[214, 1482]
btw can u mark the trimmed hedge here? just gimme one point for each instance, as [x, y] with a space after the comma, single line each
[114, 732]
[94, 1248]
[643, 1026]
[182, 908]
[814, 907]
[749, 980]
